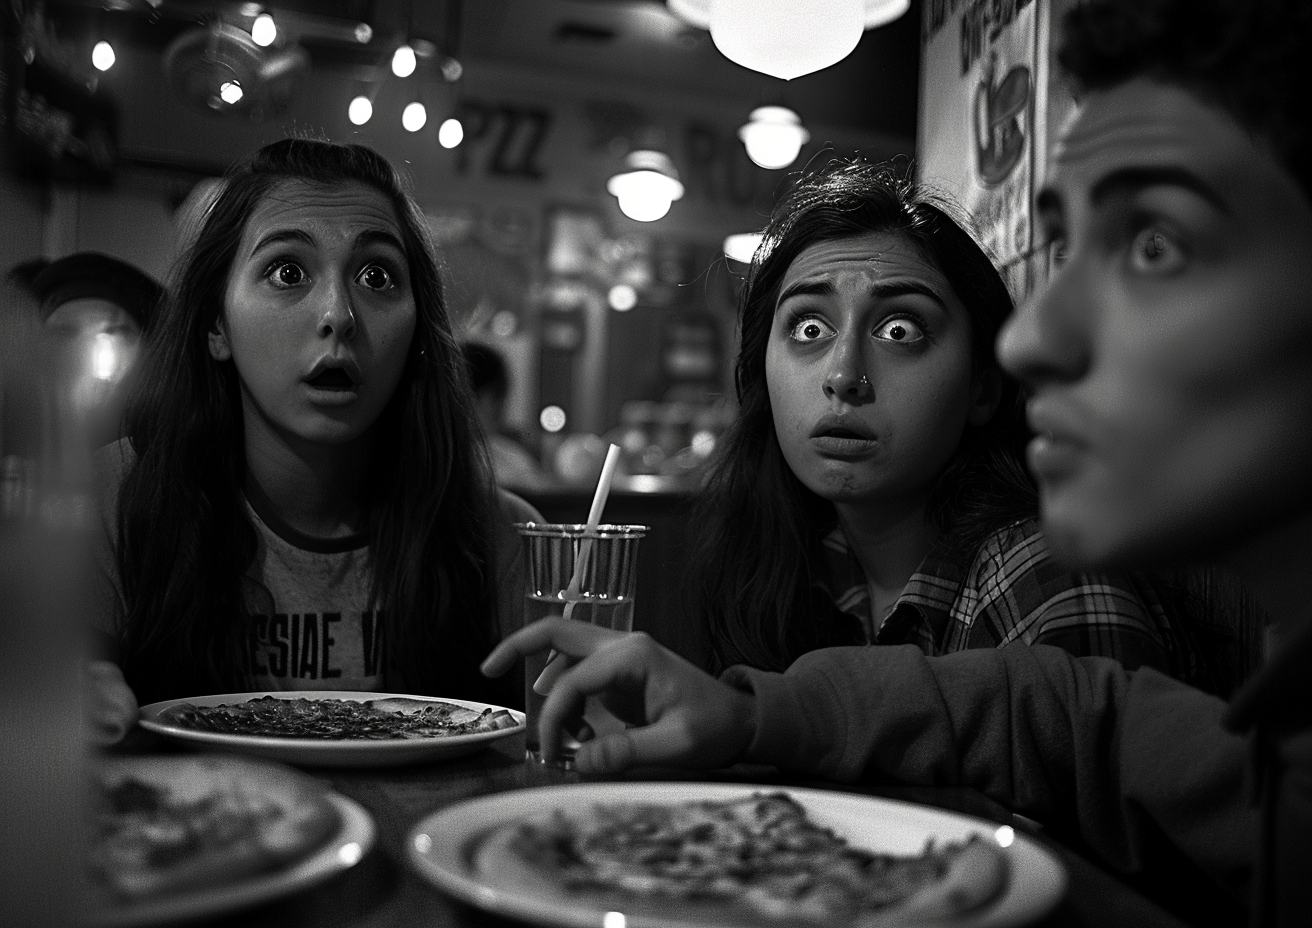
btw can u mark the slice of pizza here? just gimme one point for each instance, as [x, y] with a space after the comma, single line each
[171, 824]
[391, 718]
[736, 862]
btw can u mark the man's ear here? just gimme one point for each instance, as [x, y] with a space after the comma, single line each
[985, 394]
[218, 341]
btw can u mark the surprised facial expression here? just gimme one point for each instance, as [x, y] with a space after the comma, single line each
[318, 314]
[869, 371]
[1170, 355]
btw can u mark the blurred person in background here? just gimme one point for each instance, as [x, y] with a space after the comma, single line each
[873, 489]
[1170, 359]
[96, 310]
[513, 465]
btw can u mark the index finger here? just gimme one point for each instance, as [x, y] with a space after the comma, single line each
[576, 639]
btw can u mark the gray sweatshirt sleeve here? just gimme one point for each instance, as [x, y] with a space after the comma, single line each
[1078, 743]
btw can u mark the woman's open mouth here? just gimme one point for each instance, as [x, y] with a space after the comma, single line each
[334, 379]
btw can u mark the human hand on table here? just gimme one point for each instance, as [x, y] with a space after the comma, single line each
[111, 706]
[680, 715]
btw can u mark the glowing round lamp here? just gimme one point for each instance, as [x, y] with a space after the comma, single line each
[360, 111]
[451, 133]
[876, 12]
[230, 92]
[414, 116]
[742, 246]
[773, 137]
[264, 30]
[786, 38]
[647, 186]
[403, 61]
[102, 56]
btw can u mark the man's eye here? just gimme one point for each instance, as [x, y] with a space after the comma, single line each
[286, 274]
[375, 277]
[900, 330]
[808, 330]
[1155, 251]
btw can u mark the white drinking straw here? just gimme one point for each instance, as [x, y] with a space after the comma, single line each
[553, 669]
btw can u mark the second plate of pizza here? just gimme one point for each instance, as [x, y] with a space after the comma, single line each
[332, 728]
[715, 855]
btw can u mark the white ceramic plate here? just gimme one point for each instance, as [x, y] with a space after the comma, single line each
[353, 840]
[442, 847]
[310, 752]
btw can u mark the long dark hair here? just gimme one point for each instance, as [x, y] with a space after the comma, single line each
[759, 554]
[184, 539]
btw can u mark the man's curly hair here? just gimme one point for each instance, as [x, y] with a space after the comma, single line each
[1250, 58]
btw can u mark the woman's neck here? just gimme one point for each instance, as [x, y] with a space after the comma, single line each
[315, 489]
[889, 544]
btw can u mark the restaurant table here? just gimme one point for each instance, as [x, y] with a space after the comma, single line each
[383, 891]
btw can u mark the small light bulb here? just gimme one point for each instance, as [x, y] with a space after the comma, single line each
[230, 92]
[102, 56]
[403, 61]
[451, 133]
[552, 418]
[622, 298]
[360, 111]
[104, 357]
[414, 116]
[264, 30]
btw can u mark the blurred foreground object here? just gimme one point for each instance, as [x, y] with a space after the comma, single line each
[44, 514]
[95, 309]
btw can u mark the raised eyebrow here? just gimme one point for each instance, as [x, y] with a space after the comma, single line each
[886, 290]
[806, 288]
[379, 237]
[283, 235]
[1133, 179]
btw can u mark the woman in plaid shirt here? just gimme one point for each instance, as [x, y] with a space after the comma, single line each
[873, 488]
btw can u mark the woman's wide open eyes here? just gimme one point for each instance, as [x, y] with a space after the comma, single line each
[375, 277]
[286, 274]
[901, 330]
[810, 329]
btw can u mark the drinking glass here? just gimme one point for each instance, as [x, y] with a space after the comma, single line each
[603, 595]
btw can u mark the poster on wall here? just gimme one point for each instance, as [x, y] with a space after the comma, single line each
[983, 92]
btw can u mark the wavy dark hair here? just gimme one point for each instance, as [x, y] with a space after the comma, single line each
[185, 541]
[760, 553]
[1247, 57]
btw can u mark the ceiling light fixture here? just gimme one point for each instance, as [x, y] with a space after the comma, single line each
[787, 38]
[102, 56]
[360, 110]
[403, 61]
[742, 246]
[414, 116]
[451, 133]
[264, 30]
[773, 137]
[648, 185]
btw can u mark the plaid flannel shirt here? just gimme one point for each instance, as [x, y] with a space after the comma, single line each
[1011, 590]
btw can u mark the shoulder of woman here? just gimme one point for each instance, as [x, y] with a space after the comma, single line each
[1014, 548]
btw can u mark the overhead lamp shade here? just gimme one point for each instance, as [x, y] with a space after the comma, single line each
[786, 38]
[741, 246]
[647, 187]
[875, 13]
[773, 137]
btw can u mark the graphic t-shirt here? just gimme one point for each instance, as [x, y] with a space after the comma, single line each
[310, 625]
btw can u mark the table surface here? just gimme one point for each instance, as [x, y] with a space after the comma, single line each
[382, 891]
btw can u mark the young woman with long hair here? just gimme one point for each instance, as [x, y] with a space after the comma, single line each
[873, 489]
[302, 499]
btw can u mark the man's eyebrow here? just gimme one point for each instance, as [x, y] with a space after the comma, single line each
[1131, 180]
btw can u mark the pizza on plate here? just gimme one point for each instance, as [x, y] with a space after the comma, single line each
[391, 718]
[165, 825]
[743, 861]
